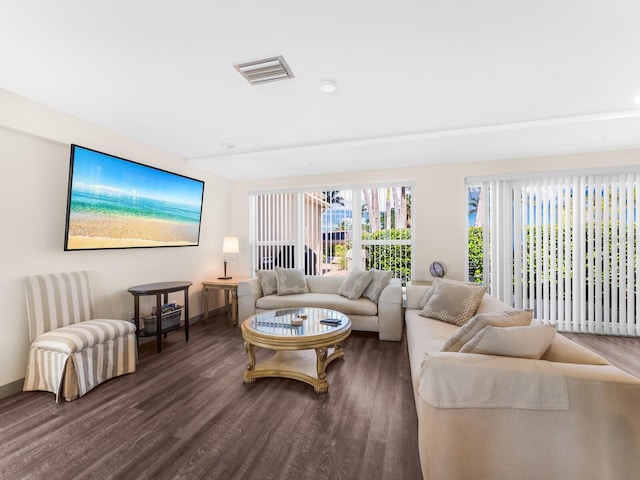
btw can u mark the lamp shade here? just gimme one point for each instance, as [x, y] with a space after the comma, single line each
[230, 245]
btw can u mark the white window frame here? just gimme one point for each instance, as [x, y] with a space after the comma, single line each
[298, 212]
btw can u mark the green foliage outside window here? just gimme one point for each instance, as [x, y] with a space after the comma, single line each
[561, 271]
[475, 254]
[396, 258]
[340, 252]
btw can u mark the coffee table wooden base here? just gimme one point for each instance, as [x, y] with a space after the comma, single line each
[308, 366]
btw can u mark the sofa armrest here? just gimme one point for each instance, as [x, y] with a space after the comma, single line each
[415, 294]
[390, 311]
[249, 291]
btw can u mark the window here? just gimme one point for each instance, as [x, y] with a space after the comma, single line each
[566, 247]
[328, 231]
[475, 233]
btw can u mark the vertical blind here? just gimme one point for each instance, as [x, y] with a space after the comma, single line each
[566, 247]
[286, 230]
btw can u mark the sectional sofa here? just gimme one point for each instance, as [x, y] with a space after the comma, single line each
[379, 312]
[568, 415]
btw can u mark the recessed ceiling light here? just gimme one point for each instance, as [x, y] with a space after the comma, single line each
[328, 86]
[227, 145]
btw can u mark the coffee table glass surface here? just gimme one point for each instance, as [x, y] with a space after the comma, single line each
[283, 322]
[303, 345]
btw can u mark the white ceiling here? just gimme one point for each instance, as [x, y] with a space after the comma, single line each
[419, 82]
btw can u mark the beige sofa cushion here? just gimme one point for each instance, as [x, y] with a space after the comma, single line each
[324, 283]
[291, 281]
[332, 301]
[453, 301]
[563, 350]
[507, 318]
[520, 342]
[268, 281]
[381, 279]
[355, 283]
[490, 304]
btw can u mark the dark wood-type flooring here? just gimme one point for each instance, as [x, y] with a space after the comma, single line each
[186, 413]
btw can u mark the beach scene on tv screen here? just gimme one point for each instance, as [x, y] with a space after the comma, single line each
[116, 203]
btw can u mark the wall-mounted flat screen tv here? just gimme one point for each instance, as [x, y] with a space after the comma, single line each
[117, 203]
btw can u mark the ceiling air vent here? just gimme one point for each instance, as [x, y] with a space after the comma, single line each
[265, 70]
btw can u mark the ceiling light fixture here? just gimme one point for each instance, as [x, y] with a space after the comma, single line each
[328, 86]
[227, 145]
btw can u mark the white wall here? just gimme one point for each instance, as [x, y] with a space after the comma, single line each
[439, 202]
[34, 154]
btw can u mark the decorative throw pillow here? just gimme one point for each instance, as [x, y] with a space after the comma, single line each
[507, 318]
[291, 281]
[452, 301]
[521, 342]
[268, 281]
[355, 284]
[381, 279]
[426, 297]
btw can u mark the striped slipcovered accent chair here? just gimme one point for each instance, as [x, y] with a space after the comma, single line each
[71, 352]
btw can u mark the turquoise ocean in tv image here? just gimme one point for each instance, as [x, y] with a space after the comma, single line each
[98, 204]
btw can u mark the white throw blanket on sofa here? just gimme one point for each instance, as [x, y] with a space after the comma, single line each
[448, 380]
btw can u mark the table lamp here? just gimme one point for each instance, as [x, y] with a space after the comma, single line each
[229, 245]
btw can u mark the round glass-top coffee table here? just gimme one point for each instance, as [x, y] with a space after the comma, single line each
[304, 343]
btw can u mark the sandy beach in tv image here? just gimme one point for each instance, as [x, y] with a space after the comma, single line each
[120, 204]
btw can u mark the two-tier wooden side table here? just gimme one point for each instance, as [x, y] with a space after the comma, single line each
[230, 287]
[160, 289]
